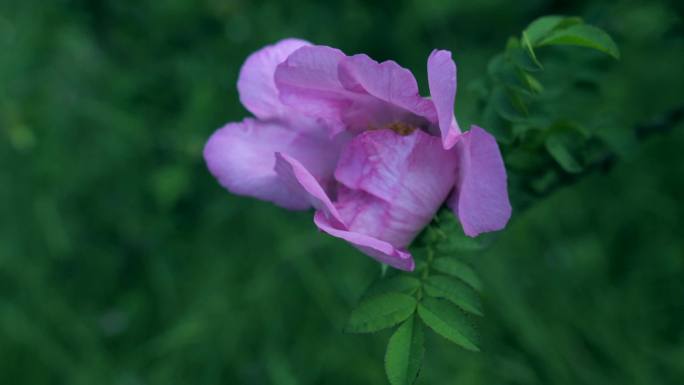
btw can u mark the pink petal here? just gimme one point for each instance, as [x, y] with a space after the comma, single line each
[256, 84]
[380, 250]
[299, 179]
[328, 218]
[394, 184]
[390, 83]
[351, 93]
[242, 157]
[308, 82]
[481, 196]
[442, 81]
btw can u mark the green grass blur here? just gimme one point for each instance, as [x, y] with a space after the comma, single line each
[123, 262]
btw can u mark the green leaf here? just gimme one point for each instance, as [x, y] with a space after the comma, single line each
[523, 57]
[544, 26]
[558, 148]
[459, 243]
[533, 84]
[380, 312]
[454, 290]
[528, 47]
[404, 355]
[458, 269]
[448, 321]
[542, 184]
[583, 36]
[505, 105]
[496, 125]
[399, 283]
[451, 238]
[504, 71]
[518, 101]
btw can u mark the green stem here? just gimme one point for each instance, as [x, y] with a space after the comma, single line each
[426, 272]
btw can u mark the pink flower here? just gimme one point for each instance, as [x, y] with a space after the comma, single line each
[354, 139]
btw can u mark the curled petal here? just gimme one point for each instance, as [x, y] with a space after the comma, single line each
[393, 184]
[299, 179]
[480, 199]
[351, 93]
[308, 82]
[329, 220]
[242, 157]
[256, 83]
[442, 81]
[380, 250]
[389, 83]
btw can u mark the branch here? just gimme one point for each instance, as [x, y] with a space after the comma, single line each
[660, 124]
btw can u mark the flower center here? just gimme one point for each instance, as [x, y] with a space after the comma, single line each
[401, 128]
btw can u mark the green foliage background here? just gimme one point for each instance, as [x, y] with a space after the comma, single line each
[123, 262]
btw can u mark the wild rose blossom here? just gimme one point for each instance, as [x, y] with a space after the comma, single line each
[354, 139]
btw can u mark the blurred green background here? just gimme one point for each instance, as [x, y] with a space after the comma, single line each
[123, 262]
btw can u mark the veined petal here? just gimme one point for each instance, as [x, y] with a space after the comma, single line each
[308, 82]
[390, 83]
[351, 93]
[442, 81]
[242, 157]
[351, 217]
[481, 197]
[256, 83]
[380, 250]
[393, 184]
[299, 179]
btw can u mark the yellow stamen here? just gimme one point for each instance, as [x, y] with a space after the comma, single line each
[401, 128]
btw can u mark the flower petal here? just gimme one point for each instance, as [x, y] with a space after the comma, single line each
[299, 179]
[390, 83]
[256, 84]
[351, 93]
[328, 218]
[481, 196]
[442, 81]
[394, 184]
[242, 157]
[378, 249]
[307, 81]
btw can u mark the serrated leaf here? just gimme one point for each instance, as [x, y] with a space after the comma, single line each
[458, 269]
[559, 151]
[405, 351]
[544, 26]
[454, 290]
[448, 321]
[583, 36]
[380, 312]
[399, 283]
